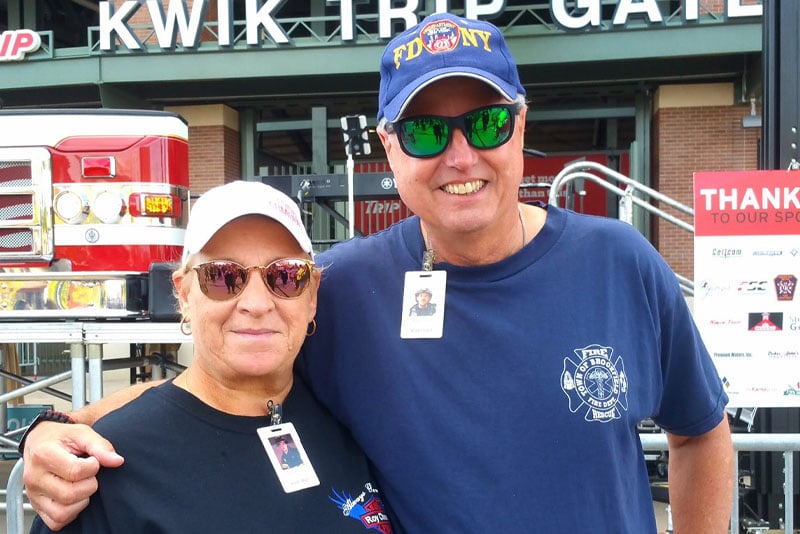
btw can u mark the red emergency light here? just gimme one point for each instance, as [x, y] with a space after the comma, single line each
[98, 167]
[153, 205]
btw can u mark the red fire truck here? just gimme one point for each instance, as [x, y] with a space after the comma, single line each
[93, 204]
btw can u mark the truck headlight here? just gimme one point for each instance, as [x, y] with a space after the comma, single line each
[109, 207]
[71, 207]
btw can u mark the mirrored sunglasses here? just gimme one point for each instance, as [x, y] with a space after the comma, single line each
[286, 278]
[427, 136]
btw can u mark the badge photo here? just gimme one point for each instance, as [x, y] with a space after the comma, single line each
[288, 457]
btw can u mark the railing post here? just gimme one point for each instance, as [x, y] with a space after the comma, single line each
[15, 511]
[735, 508]
[788, 491]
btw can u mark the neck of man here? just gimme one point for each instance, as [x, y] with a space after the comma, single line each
[487, 246]
[238, 395]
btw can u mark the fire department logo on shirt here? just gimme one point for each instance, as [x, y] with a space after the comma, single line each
[595, 382]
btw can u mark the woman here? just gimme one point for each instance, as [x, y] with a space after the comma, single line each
[203, 452]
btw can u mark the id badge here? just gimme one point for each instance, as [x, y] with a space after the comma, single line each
[288, 457]
[423, 305]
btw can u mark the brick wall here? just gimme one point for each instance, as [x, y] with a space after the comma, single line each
[691, 139]
[214, 146]
[213, 157]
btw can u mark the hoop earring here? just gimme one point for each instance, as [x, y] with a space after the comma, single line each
[312, 328]
[186, 328]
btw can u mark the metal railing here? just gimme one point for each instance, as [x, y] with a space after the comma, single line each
[788, 444]
[629, 195]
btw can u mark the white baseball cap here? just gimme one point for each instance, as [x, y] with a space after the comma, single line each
[220, 205]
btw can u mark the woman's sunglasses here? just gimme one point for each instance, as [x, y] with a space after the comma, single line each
[427, 136]
[223, 280]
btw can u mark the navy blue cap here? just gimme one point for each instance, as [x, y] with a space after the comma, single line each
[440, 46]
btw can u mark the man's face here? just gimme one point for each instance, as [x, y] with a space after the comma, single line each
[423, 299]
[434, 188]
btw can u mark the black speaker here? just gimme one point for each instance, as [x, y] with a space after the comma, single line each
[162, 303]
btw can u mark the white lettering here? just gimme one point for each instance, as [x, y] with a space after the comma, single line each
[225, 22]
[727, 199]
[791, 196]
[111, 22]
[563, 18]
[708, 194]
[691, 10]
[749, 200]
[165, 28]
[473, 9]
[594, 352]
[734, 8]
[175, 16]
[628, 7]
[347, 18]
[787, 198]
[263, 17]
[387, 13]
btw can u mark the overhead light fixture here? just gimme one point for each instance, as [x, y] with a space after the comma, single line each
[752, 120]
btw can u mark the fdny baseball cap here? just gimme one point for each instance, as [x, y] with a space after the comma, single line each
[440, 46]
[220, 205]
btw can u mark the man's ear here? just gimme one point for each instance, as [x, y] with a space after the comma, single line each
[385, 139]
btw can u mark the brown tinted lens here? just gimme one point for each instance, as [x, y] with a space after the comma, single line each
[287, 278]
[221, 280]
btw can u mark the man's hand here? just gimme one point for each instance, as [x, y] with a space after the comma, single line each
[61, 462]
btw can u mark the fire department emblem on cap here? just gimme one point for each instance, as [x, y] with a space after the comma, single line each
[785, 285]
[597, 382]
[440, 36]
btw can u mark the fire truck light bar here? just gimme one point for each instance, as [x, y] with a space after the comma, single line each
[153, 205]
[98, 167]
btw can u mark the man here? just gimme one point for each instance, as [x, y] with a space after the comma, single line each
[423, 306]
[613, 341]
[290, 456]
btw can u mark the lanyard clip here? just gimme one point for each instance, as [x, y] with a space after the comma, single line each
[275, 413]
[427, 260]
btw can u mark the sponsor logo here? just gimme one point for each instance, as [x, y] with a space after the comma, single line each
[724, 323]
[708, 288]
[785, 285]
[733, 354]
[767, 253]
[752, 287]
[792, 390]
[726, 252]
[783, 354]
[765, 321]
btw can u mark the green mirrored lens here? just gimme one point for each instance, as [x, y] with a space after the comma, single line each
[427, 136]
[424, 136]
[488, 127]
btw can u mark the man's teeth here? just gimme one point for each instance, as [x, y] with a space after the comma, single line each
[465, 188]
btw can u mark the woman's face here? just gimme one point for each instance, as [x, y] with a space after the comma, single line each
[256, 334]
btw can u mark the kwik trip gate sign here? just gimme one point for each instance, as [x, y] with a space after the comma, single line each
[746, 268]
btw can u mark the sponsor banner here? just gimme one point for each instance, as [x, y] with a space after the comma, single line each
[747, 264]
